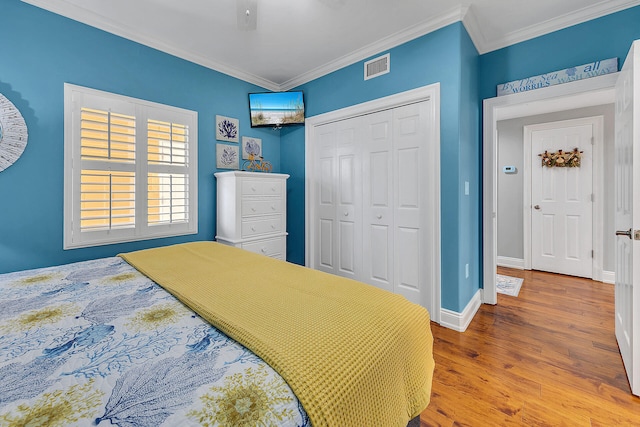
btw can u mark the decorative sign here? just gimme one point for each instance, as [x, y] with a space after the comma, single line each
[580, 72]
[562, 159]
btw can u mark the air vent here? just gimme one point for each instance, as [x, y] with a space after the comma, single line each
[376, 67]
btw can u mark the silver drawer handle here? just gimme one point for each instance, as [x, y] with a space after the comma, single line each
[253, 228]
[379, 216]
[346, 213]
[253, 209]
[263, 250]
[273, 226]
[273, 208]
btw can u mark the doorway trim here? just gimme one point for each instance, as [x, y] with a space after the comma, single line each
[597, 181]
[426, 93]
[578, 94]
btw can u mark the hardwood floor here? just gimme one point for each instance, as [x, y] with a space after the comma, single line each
[546, 358]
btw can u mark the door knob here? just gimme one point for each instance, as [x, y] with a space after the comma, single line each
[624, 233]
[537, 207]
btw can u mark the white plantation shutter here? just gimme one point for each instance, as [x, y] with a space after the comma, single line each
[130, 169]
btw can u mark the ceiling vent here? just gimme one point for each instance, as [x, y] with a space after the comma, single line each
[376, 67]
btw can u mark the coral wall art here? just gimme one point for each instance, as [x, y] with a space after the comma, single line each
[251, 146]
[227, 129]
[227, 156]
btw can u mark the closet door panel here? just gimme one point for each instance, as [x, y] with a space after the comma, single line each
[377, 208]
[349, 196]
[326, 204]
[409, 147]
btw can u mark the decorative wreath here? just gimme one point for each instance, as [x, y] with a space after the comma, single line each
[13, 133]
[562, 159]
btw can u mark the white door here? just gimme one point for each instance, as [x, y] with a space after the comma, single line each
[410, 200]
[377, 215]
[561, 200]
[338, 230]
[627, 216]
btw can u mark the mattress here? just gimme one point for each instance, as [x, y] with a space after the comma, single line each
[98, 343]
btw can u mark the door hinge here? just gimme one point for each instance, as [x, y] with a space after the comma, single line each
[593, 197]
[593, 141]
[592, 253]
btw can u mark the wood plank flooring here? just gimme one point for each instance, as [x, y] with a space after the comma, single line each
[546, 358]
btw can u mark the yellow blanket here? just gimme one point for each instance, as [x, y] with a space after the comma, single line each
[353, 354]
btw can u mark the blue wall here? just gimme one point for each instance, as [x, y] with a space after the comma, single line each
[607, 37]
[41, 52]
[446, 56]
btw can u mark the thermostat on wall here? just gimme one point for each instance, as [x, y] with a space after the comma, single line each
[509, 169]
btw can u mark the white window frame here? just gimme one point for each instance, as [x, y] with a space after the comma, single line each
[78, 97]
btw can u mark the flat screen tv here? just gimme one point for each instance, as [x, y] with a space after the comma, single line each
[275, 109]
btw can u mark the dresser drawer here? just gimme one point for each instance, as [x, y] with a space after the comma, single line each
[266, 225]
[261, 207]
[270, 247]
[263, 187]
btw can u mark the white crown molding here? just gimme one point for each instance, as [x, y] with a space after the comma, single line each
[549, 26]
[460, 13]
[454, 15]
[92, 19]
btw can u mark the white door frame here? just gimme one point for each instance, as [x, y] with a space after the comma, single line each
[425, 93]
[597, 179]
[568, 96]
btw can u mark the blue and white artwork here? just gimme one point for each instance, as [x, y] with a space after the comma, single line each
[227, 129]
[251, 146]
[227, 156]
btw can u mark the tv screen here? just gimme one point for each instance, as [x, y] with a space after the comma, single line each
[276, 108]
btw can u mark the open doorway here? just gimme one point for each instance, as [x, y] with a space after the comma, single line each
[561, 98]
[519, 236]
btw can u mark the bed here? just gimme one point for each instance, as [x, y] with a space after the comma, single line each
[206, 334]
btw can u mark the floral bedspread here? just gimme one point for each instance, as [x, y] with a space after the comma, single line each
[97, 343]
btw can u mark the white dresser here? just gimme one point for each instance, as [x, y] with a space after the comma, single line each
[252, 212]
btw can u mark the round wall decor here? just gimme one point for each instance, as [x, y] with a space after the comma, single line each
[13, 133]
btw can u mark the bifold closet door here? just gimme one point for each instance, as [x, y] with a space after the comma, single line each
[377, 194]
[370, 199]
[393, 153]
[338, 227]
[410, 139]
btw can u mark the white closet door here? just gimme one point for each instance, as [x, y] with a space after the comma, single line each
[377, 214]
[409, 191]
[339, 197]
[349, 198]
[325, 226]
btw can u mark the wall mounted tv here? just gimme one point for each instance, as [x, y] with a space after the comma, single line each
[275, 109]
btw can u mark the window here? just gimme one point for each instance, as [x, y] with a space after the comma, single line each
[130, 169]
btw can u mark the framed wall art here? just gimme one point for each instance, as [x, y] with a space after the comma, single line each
[227, 129]
[251, 146]
[227, 156]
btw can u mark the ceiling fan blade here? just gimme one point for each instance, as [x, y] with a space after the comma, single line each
[247, 13]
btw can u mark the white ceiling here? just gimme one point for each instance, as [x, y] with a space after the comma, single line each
[299, 40]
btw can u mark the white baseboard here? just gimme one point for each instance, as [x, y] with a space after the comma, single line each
[505, 261]
[460, 321]
[609, 277]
